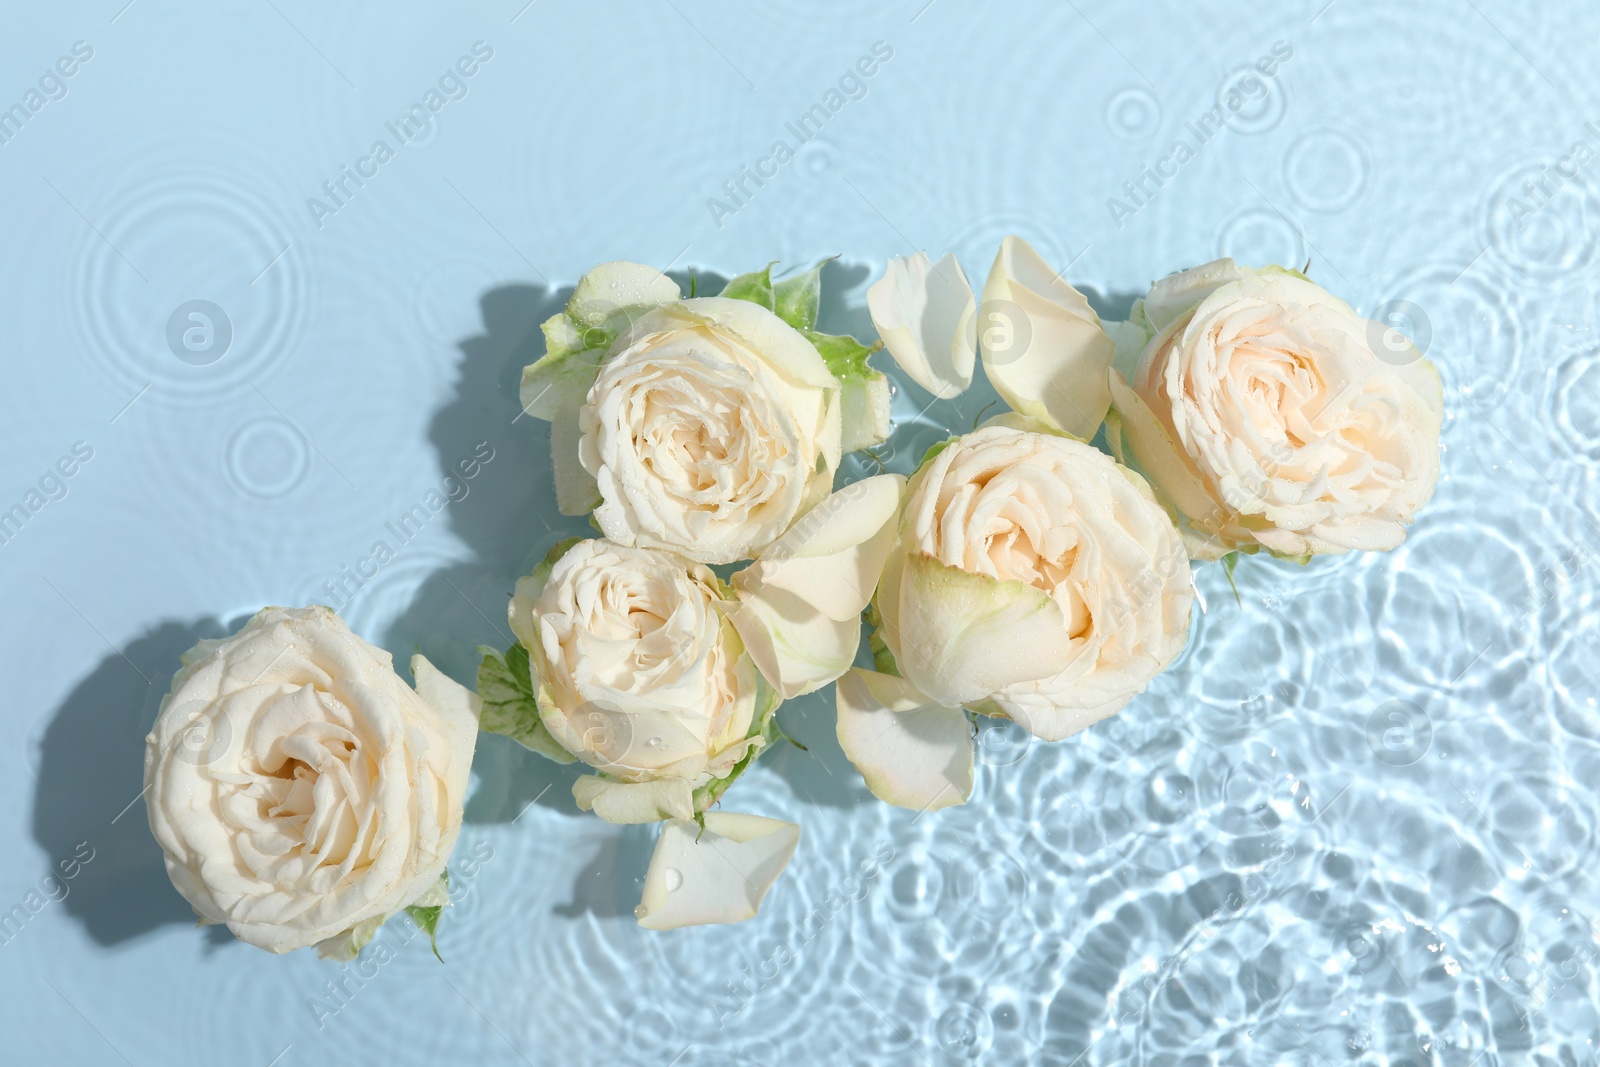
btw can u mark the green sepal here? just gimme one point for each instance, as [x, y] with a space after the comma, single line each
[933, 450]
[763, 724]
[756, 287]
[845, 356]
[882, 658]
[426, 915]
[863, 391]
[505, 686]
[987, 706]
[1229, 562]
[541, 572]
[797, 298]
[344, 947]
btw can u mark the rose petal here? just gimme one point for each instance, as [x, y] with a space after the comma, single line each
[611, 287]
[784, 346]
[634, 802]
[799, 606]
[969, 635]
[1154, 453]
[912, 751]
[1058, 374]
[1177, 293]
[718, 875]
[924, 313]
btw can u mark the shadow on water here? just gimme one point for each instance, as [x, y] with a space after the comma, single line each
[90, 778]
[508, 520]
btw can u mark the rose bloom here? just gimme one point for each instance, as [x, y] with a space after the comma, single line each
[713, 427]
[705, 426]
[639, 674]
[298, 787]
[1034, 578]
[1270, 415]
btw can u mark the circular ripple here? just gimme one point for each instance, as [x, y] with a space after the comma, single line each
[1574, 668]
[1576, 405]
[371, 601]
[1541, 224]
[817, 156]
[1475, 327]
[956, 901]
[1326, 170]
[1475, 579]
[1001, 743]
[1259, 236]
[1250, 103]
[267, 458]
[172, 238]
[963, 1031]
[1134, 114]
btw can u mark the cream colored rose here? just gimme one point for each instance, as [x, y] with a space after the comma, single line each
[703, 426]
[1270, 415]
[299, 788]
[639, 673]
[1034, 579]
[712, 428]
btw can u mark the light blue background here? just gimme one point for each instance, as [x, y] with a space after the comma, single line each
[1238, 868]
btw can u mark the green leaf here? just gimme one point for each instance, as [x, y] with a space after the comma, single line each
[755, 287]
[505, 685]
[797, 298]
[1229, 562]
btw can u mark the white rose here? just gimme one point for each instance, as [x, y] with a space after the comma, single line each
[1033, 578]
[640, 674]
[1268, 414]
[637, 664]
[705, 426]
[301, 791]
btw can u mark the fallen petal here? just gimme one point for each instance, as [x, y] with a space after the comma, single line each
[718, 875]
[912, 751]
[924, 313]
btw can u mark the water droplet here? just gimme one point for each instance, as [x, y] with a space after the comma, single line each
[674, 879]
[654, 741]
[640, 911]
